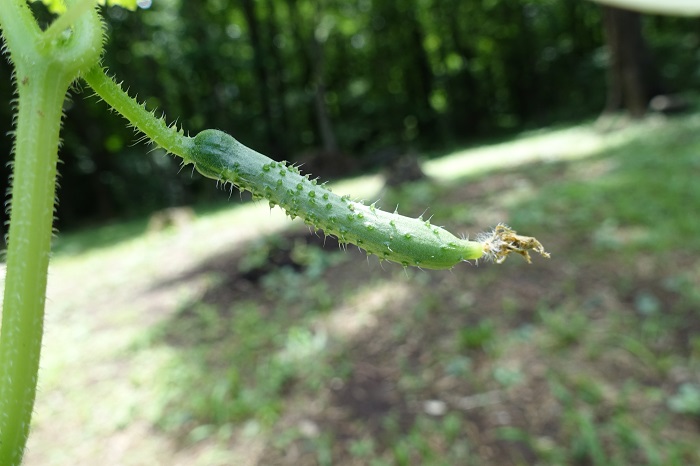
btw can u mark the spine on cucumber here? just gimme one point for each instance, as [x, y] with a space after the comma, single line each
[390, 236]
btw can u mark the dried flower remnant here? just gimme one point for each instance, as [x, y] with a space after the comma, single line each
[503, 240]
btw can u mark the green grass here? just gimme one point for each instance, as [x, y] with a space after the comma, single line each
[642, 195]
[240, 339]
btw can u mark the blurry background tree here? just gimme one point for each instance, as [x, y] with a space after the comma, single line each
[355, 82]
[632, 77]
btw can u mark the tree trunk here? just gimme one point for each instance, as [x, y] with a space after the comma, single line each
[632, 79]
[274, 135]
[314, 58]
[323, 118]
[422, 70]
[277, 80]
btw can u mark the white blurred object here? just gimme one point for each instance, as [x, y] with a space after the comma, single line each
[664, 7]
[435, 407]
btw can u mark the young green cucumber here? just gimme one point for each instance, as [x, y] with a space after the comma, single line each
[390, 236]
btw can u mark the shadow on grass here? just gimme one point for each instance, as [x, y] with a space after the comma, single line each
[87, 239]
[73, 243]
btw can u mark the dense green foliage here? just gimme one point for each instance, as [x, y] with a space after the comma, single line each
[382, 75]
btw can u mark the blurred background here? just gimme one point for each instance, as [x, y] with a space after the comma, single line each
[187, 325]
[348, 86]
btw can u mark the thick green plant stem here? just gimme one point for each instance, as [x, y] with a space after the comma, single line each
[33, 190]
[19, 30]
[44, 70]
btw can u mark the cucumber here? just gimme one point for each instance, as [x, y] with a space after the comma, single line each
[390, 236]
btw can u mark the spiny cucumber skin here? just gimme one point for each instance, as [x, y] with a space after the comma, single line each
[390, 236]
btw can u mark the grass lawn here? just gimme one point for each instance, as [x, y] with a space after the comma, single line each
[240, 338]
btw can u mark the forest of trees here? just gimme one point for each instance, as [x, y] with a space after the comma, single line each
[314, 81]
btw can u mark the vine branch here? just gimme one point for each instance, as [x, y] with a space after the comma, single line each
[142, 119]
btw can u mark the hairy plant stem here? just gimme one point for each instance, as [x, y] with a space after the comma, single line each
[44, 70]
[33, 189]
[155, 128]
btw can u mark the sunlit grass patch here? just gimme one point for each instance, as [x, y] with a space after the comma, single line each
[640, 196]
